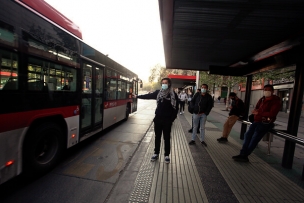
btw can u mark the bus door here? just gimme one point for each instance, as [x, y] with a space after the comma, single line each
[92, 94]
[135, 90]
[98, 110]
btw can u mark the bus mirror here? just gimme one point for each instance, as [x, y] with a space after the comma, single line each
[141, 85]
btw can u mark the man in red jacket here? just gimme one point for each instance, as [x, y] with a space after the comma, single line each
[265, 114]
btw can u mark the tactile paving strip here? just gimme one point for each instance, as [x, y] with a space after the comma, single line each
[143, 182]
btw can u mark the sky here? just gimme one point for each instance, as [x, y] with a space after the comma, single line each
[129, 31]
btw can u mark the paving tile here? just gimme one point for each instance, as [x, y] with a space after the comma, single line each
[256, 181]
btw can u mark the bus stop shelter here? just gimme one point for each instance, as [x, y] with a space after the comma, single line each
[182, 81]
[238, 38]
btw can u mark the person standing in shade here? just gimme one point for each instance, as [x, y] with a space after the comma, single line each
[237, 107]
[203, 104]
[182, 99]
[219, 99]
[165, 114]
[265, 114]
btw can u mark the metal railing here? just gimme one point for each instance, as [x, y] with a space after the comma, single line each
[284, 135]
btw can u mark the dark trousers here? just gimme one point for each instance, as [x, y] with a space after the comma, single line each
[182, 106]
[253, 136]
[165, 128]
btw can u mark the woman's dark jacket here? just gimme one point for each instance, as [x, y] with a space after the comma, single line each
[202, 103]
[164, 111]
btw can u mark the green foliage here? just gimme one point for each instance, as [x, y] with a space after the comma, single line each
[220, 80]
[276, 74]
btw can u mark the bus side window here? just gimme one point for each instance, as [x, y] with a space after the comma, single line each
[119, 89]
[8, 70]
[123, 90]
[47, 76]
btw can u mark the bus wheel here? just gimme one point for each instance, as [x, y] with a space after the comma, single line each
[127, 112]
[43, 148]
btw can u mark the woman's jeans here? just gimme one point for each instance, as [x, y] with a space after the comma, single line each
[253, 136]
[196, 119]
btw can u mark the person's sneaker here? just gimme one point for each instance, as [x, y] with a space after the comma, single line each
[190, 131]
[222, 139]
[241, 158]
[154, 157]
[167, 159]
[180, 113]
[192, 142]
[204, 143]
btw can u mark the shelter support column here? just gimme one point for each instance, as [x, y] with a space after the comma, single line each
[295, 110]
[197, 80]
[247, 105]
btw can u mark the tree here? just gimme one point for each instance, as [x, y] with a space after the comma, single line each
[220, 80]
[276, 74]
[158, 72]
[156, 85]
[147, 86]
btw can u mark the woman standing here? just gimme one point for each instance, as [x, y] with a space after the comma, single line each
[182, 99]
[165, 114]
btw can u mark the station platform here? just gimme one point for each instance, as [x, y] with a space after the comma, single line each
[114, 167]
[201, 174]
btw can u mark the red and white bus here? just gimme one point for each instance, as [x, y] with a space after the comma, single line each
[55, 90]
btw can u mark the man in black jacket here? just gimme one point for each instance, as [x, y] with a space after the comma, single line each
[165, 114]
[237, 107]
[203, 103]
[191, 130]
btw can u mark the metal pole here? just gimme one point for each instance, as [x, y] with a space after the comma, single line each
[295, 110]
[197, 80]
[247, 105]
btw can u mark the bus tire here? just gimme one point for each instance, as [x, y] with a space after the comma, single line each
[42, 148]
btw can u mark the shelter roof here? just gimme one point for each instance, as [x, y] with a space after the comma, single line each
[225, 36]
